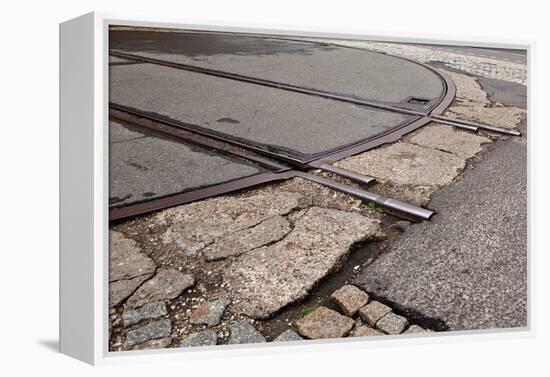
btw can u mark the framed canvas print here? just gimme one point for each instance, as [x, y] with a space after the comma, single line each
[228, 190]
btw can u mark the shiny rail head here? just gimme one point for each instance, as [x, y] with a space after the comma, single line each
[393, 206]
[511, 132]
[478, 126]
[351, 175]
[406, 208]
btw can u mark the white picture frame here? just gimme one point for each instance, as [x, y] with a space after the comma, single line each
[84, 195]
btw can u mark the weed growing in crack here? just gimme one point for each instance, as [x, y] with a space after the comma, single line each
[307, 310]
[373, 207]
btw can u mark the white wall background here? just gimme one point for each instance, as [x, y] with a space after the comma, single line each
[29, 188]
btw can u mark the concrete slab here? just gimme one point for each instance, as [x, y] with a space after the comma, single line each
[213, 222]
[406, 164]
[468, 90]
[504, 117]
[143, 167]
[468, 266]
[126, 260]
[449, 139]
[299, 124]
[267, 279]
[315, 65]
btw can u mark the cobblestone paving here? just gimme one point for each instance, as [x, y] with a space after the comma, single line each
[474, 65]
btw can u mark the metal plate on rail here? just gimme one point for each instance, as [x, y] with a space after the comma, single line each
[346, 71]
[145, 165]
[175, 84]
[296, 124]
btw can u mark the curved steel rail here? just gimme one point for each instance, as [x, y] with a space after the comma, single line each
[281, 171]
[324, 94]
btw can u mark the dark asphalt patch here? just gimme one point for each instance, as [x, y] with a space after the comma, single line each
[468, 266]
[505, 92]
[144, 166]
[197, 45]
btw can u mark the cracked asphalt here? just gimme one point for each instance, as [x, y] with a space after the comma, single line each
[467, 268]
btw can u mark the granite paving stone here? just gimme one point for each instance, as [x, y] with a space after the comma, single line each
[406, 164]
[194, 226]
[148, 311]
[201, 338]
[243, 332]
[120, 290]
[154, 330]
[324, 323]
[350, 299]
[366, 331]
[153, 344]
[287, 336]
[209, 313]
[239, 242]
[373, 311]
[449, 139]
[415, 329]
[392, 323]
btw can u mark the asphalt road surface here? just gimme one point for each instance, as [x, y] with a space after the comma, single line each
[145, 166]
[467, 268]
[298, 124]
